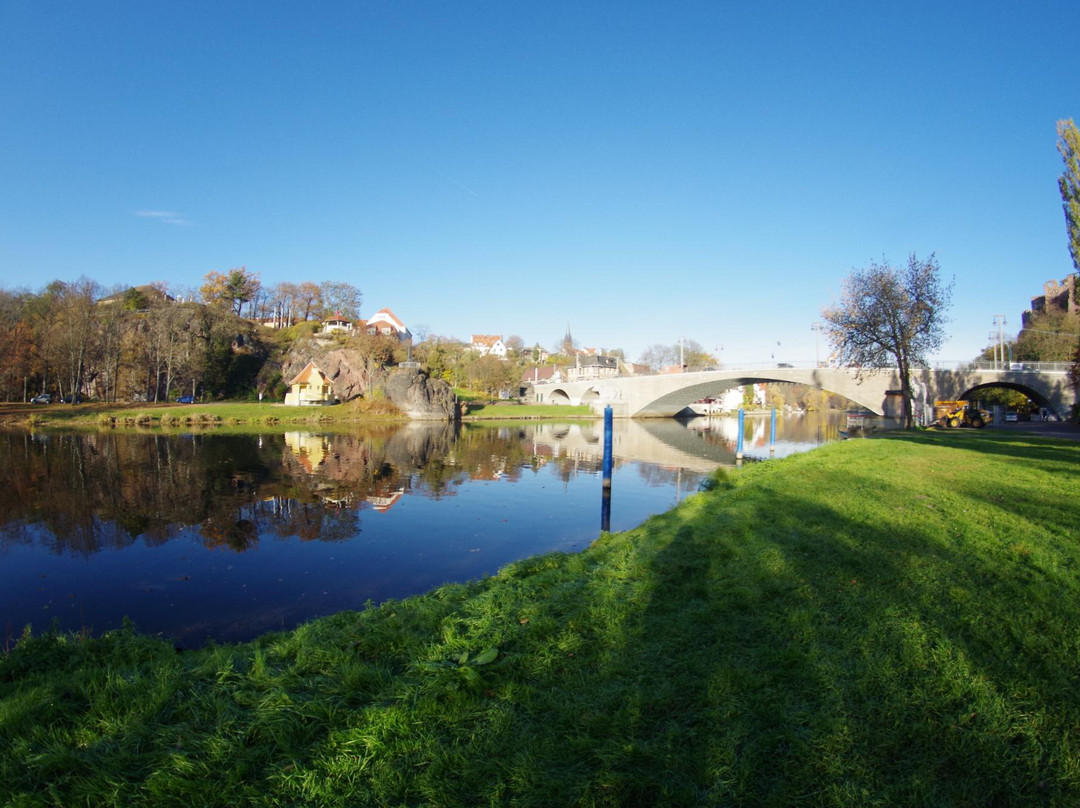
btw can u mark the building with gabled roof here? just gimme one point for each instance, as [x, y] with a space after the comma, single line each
[310, 386]
[337, 323]
[488, 345]
[385, 323]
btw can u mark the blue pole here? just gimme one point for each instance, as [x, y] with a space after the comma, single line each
[608, 426]
[772, 429]
[742, 428]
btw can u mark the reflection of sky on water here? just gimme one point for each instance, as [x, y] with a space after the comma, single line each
[190, 592]
[227, 537]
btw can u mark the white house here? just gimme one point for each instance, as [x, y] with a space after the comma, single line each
[385, 323]
[488, 345]
[338, 324]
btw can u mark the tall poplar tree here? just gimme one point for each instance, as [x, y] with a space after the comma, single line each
[1069, 184]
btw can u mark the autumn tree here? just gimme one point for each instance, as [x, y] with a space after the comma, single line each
[308, 300]
[890, 316]
[1069, 184]
[16, 348]
[232, 289]
[1048, 336]
[76, 330]
[492, 375]
[695, 357]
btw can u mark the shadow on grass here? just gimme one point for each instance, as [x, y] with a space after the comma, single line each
[842, 632]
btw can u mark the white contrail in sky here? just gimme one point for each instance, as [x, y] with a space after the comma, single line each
[465, 188]
[164, 216]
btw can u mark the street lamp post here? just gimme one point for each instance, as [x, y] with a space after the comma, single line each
[816, 328]
[999, 320]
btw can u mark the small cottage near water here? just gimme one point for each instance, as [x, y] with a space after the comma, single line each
[311, 386]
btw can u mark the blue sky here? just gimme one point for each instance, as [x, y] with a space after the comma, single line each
[643, 171]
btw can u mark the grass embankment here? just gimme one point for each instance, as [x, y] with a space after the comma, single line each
[481, 407]
[100, 415]
[520, 412]
[96, 416]
[886, 622]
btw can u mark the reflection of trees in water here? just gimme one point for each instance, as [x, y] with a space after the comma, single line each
[680, 479]
[104, 490]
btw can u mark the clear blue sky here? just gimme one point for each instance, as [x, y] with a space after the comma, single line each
[643, 171]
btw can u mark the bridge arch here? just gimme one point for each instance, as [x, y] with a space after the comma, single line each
[681, 398]
[665, 395]
[1032, 393]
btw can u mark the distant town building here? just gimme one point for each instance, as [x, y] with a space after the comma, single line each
[592, 367]
[337, 324]
[385, 323]
[488, 345]
[1057, 295]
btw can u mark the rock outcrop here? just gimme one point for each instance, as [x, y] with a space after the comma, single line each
[409, 389]
[420, 397]
[346, 368]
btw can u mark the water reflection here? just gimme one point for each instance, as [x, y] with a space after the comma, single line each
[207, 535]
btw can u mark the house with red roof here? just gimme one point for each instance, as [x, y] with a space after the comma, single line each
[488, 345]
[385, 323]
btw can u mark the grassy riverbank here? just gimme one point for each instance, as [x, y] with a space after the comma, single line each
[96, 416]
[102, 415]
[885, 622]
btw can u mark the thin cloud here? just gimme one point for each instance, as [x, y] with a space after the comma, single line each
[465, 188]
[165, 217]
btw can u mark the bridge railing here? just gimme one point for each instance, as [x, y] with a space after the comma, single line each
[1030, 367]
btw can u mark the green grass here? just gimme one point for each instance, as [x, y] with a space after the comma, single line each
[883, 622]
[477, 411]
[210, 414]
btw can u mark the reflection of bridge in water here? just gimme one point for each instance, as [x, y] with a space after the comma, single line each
[666, 443]
[1047, 384]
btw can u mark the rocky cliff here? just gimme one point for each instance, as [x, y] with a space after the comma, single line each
[409, 389]
[420, 397]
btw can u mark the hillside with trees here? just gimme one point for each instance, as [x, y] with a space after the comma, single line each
[142, 344]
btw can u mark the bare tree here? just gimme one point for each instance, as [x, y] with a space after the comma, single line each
[890, 316]
[657, 356]
[341, 298]
[308, 298]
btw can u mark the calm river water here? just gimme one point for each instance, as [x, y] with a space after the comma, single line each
[226, 536]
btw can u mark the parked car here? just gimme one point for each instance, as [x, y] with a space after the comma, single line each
[44, 398]
[186, 400]
[72, 399]
[1011, 417]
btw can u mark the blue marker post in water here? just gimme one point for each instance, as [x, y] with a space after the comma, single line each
[772, 433]
[605, 501]
[742, 428]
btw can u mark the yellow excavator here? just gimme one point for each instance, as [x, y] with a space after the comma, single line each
[953, 414]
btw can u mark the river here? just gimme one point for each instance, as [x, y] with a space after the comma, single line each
[213, 535]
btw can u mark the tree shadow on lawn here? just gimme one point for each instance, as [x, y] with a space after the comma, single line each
[751, 647]
[1060, 455]
[796, 658]
[772, 652]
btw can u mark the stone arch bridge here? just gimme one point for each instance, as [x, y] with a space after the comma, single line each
[1047, 384]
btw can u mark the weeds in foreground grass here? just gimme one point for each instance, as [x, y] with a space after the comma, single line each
[888, 622]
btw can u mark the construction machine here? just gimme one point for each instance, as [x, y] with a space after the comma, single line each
[955, 414]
